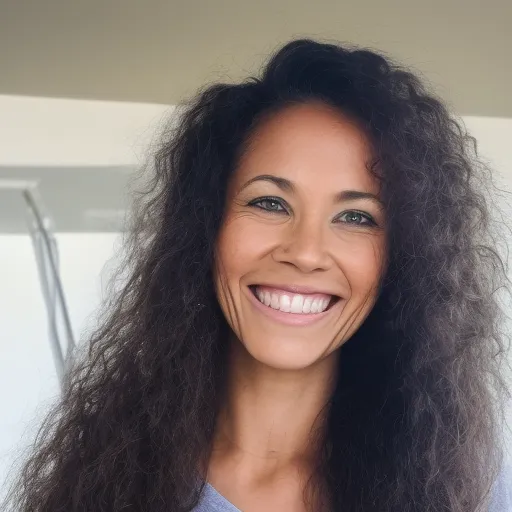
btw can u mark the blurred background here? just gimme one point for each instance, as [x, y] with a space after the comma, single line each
[85, 88]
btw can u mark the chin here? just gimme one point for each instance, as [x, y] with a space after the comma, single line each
[287, 354]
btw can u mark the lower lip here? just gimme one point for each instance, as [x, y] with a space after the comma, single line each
[300, 319]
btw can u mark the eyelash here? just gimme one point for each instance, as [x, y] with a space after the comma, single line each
[257, 203]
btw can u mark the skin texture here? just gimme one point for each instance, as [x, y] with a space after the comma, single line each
[306, 235]
[312, 244]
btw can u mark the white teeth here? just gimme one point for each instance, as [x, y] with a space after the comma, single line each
[284, 303]
[292, 303]
[297, 303]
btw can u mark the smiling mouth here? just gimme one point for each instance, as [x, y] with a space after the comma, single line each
[294, 303]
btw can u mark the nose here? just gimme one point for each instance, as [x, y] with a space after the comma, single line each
[304, 246]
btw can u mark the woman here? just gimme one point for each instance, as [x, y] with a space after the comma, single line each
[309, 322]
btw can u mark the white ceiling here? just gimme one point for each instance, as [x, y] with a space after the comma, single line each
[163, 51]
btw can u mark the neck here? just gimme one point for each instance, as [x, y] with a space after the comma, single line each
[271, 413]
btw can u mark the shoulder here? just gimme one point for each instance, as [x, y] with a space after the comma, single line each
[501, 500]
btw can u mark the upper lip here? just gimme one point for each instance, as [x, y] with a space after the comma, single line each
[305, 290]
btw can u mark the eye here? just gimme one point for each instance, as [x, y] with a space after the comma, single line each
[357, 218]
[269, 204]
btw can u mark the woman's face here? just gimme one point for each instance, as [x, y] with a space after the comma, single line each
[302, 248]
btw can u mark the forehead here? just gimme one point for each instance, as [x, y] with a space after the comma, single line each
[309, 143]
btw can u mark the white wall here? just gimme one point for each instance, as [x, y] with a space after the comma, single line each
[28, 380]
[47, 132]
[51, 133]
[64, 132]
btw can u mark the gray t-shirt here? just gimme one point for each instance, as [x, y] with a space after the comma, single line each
[502, 496]
[213, 501]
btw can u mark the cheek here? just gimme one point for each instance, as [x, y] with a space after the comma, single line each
[230, 255]
[363, 264]
[236, 255]
[241, 246]
[224, 270]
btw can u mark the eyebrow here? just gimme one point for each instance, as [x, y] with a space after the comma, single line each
[282, 183]
[288, 186]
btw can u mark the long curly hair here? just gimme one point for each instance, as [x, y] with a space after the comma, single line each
[414, 422]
